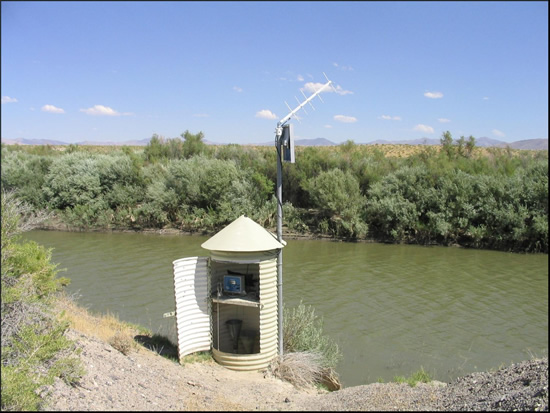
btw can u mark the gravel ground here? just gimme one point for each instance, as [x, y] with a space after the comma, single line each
[145, 381]
[521, 386]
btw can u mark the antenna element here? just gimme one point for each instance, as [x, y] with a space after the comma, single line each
[284, 143]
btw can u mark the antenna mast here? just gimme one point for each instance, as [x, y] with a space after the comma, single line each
[300, 106]
[284, 142]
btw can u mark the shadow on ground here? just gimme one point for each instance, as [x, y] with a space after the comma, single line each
[159, 344]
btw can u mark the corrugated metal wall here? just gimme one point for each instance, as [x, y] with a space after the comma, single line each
[191, 286]
[196, 315]
[268, 311]
[243, 257]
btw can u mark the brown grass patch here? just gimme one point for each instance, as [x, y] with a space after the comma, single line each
[302, 369]
[107, 327]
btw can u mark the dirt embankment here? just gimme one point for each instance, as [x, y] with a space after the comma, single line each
[143, 380]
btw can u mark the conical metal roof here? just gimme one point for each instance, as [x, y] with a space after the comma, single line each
[243, 235]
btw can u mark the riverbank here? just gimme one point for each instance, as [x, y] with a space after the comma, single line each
[56, 224]
[135, 377]
[143, 380]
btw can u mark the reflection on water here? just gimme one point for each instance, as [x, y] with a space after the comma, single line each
[392, 308]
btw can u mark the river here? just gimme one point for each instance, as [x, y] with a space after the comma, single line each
[392, 309]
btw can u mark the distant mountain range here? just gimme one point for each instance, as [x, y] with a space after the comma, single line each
[529, 144]
[22, 141]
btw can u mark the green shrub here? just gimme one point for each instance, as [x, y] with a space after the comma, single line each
[73, 179]
[419, 376]
[310, 357]
[160, 206]
[155, 149]
[337, 196]
[303, 332]
[34, 348]
[450, 194]
[25, 174]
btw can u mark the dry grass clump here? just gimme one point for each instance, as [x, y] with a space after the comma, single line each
[123, 336]
[302, 369]
[122, 343]
[107, 328]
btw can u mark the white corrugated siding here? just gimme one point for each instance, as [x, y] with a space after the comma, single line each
[242, 257]
[191, 286]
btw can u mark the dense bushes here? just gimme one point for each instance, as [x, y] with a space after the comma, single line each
[199, 187]
[449, 194]
[340, 202]
[26, 173]
[501, 212]
[34, 348]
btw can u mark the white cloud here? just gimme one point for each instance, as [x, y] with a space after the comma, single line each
[341, 91]
[433, 95]
[201, 115]
[328, 126]
[313, 87]
[388, 117]
[345, 119]
[237, 89]
[485, 98]
[291, 77]
[51, 109]
[444, 120]
[348, 68]
[100, 110]
[7, 99]
[266, 114]
[424, 128]
[498, 133]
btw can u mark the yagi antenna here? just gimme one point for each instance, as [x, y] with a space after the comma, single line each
[296, 117]
[301, 105]
[331, 85]
[319, 96]
[304, 109]
[310, 104]
[285, 152]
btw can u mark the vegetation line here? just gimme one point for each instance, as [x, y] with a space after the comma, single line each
[452, 194]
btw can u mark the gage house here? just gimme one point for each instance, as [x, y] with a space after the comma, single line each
[227, 302]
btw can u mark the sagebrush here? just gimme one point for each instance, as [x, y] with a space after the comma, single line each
[34, 347]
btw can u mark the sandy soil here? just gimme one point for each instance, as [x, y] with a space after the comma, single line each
[143, 380]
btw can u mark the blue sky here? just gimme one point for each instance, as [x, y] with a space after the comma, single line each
[118, 71]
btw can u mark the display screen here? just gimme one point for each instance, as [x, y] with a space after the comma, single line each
[233, 284]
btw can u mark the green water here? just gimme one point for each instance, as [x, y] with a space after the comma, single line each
[393, 309]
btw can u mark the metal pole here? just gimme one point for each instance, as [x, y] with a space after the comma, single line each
[279, 236]
[278, 145]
